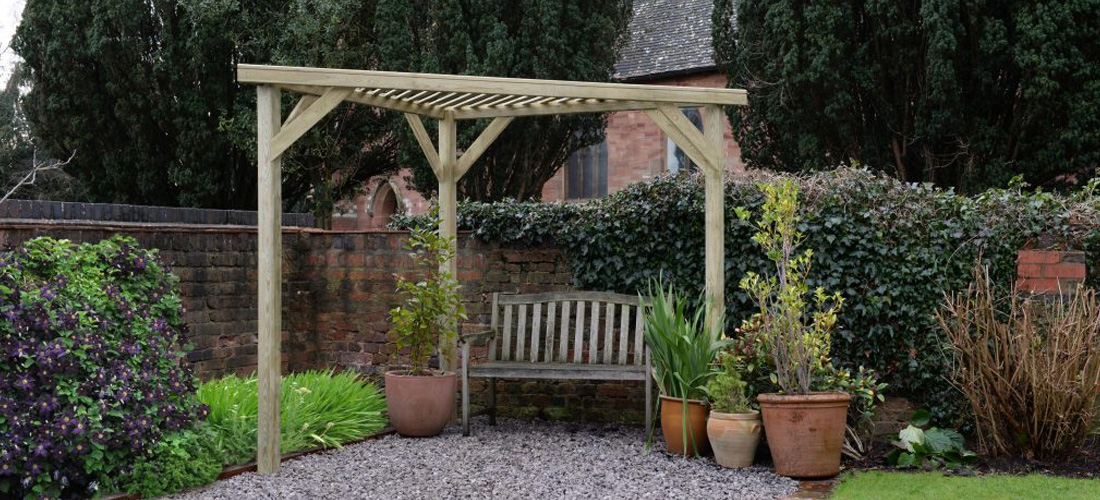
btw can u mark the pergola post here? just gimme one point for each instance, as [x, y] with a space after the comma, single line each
[269, 267]
[715, 203]
[448, 211]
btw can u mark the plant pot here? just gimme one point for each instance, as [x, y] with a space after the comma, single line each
[734, 437]
[672, 421]
[805, 432]
[420, 405]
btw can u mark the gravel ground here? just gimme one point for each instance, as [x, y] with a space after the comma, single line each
[513, 460]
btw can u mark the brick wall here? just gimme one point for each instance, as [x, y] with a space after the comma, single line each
[337, 293]
[1049, 271]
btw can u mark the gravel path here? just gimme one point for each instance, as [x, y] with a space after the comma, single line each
[514, 460]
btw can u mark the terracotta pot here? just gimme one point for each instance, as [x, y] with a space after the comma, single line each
[734, 437]
[420, 405]
[805, 432]
[672, 417]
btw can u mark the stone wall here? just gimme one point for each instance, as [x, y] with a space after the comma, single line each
[337, 293]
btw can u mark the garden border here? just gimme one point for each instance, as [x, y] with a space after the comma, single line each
[236, 470]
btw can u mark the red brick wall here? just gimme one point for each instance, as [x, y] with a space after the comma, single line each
[1049, 271]
[337, 292]
[637, 148]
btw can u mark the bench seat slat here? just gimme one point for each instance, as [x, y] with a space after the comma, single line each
[563, 341]
[557, 371]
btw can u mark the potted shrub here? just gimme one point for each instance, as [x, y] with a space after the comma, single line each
[733, 427]
[420, 400]
[682, 353]
[805, 429]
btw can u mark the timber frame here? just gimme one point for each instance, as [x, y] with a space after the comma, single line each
[447, 99]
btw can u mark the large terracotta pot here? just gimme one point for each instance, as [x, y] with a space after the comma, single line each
[420, 405]
[672, 417]
[734, 437]
[805, 432]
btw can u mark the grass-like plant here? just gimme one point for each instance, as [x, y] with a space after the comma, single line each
[1029, 367]
[317, 408]
[681, 347]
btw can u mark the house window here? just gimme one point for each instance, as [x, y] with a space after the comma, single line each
[586, 173]
[677, 160]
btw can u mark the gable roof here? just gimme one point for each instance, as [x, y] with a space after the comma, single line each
[667, 38]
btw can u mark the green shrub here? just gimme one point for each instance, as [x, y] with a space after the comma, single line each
[91, 371]
[317, 408]
[891, 249]
[181, 460]
[929, 447]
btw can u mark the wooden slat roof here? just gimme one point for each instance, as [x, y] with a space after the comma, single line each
[470, 97]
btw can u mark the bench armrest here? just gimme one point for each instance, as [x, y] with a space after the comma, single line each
[476, 335]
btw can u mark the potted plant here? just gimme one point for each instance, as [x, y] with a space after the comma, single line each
[805, 429]
[682, 353]
[420, 400]
[733, 427]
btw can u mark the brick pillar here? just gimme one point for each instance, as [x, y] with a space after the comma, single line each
[1049, 271]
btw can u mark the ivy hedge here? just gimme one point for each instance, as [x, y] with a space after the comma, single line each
[892, 249]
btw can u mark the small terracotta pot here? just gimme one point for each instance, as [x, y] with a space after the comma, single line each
[672, 417]
[420, 405]
[734, 437]
[805, 432]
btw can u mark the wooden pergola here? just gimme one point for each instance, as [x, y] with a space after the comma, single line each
[447, 99]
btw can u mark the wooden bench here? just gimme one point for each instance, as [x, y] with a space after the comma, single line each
[564, 336]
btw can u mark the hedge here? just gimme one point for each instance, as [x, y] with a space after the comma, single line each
[892, 249]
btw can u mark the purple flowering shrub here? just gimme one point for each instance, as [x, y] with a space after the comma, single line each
[91, 371]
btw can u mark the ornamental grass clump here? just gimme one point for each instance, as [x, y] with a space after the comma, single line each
[317, 409]
[91, 371]
[1029, 366]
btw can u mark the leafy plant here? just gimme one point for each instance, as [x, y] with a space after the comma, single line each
[91, 371]
[681, 348]
[181, 460]
[798, 349]
[1030, 368]
[317, 409]
[433, 304]
[725, 390]
[929, 448]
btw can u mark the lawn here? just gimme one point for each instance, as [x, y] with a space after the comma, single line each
[877, 485]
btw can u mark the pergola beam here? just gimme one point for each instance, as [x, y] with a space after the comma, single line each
[284, 75]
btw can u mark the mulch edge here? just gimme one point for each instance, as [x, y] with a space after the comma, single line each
[236, 470]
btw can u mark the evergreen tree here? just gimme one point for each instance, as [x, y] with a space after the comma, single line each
[146, 91]
[549, 39]
[962, 94]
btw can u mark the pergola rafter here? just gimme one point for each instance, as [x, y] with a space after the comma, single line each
[448, 99]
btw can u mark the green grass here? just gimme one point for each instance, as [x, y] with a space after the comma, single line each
[317, 409]
[877, 485]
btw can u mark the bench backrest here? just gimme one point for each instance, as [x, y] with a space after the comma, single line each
[568, 327]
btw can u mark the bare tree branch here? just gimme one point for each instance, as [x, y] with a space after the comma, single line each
[32, 176]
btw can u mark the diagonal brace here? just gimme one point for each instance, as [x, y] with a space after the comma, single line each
[481, 144]
[300, 123]
[425, 141]
[685, 135]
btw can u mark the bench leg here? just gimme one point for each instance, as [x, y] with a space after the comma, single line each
[648, 398]
[465, 388]
[492, 401]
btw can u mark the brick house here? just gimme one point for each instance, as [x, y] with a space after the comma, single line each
[670, 44]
